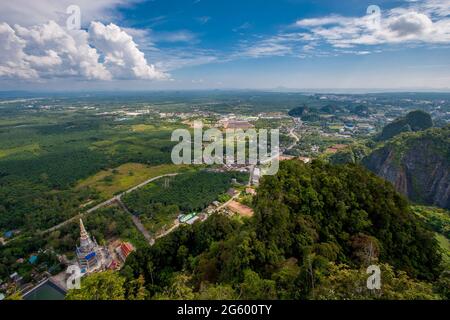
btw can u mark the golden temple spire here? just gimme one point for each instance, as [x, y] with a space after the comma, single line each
[83, 232]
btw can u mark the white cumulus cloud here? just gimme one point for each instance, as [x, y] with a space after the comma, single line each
[416, 22]
[420, 23]
[12, 56]
[51, 51]
[32, 12]
[121, 53]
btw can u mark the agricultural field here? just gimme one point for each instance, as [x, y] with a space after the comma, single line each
[190, 192]
[160, 202]
[55, 157]
[110, 182]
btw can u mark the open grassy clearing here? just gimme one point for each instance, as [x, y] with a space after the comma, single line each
[112, 181]
[444, 243]
[33, 148]
[142, 127]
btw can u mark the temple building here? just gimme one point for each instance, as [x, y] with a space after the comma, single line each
[124, 250]
[90, 255]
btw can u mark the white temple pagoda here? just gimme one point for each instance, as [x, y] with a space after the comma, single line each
[89, 253]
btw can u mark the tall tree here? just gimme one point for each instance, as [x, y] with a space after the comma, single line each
[106, 285]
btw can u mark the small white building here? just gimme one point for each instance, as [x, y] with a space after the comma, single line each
[256, 175]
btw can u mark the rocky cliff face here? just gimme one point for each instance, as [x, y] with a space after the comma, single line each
[417, 164]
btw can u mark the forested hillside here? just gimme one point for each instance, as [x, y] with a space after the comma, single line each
[316, 228]
[414, 121]
[417, 164]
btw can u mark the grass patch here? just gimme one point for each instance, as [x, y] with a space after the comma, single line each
[33, 148]
[444, 243]
[437, 218]
[162, 218]
[142, 127]
[113, 181]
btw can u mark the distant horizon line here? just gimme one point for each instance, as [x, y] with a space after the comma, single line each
[273, 90]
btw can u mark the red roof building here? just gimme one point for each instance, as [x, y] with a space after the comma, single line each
[124, 250]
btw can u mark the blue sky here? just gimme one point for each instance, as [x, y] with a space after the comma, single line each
[247, 44]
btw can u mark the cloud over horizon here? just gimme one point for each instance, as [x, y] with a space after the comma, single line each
[393, 27]
[425, 22]
[137, 41]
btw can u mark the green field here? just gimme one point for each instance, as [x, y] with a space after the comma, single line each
[438, 220]
[190, 192]
[32, 148]
[113, 181]
[159, 203]
[54, 161]
[444, 243]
